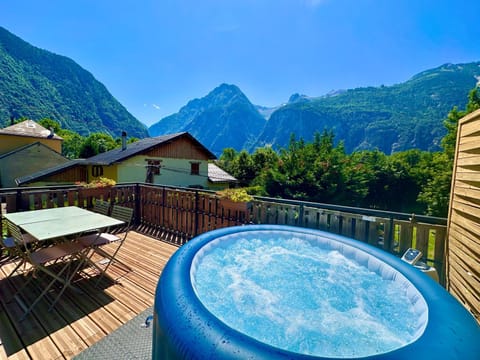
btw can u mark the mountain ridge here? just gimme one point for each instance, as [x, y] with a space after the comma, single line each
[36, 84]
[389, 118]
[234, 115]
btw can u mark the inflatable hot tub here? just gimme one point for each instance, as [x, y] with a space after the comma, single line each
[217, 298]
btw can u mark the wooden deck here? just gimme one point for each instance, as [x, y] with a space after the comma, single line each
[80, 320]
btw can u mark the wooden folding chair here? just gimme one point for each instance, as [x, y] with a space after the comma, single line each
[65, 252]
[117, 235]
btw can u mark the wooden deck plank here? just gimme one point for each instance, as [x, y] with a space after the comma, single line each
[57, 329]
[78, 321]
[34, 337]
[10, 339]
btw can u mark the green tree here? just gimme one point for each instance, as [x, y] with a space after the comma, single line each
[311, 171]
[450, 139]
[130, 140]
[96, 143]
[473, 101]
[359, 173]
[72, 143]
[243, 169]
[50, 124]
[436, 192]
[264, 159]
[451, 123]
[226, 159]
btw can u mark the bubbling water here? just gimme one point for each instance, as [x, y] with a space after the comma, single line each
[306, 295]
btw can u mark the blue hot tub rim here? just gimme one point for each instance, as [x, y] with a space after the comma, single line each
[185, 329]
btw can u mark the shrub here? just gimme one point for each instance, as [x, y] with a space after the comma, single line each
[98, 183]
[236, 195]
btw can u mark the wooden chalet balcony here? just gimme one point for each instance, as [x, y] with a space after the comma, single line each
[166, 218]
[178, 214]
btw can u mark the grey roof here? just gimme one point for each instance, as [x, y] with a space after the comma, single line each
[216, 174]
[115, 155]
[24, 147]
[29, 128]
[50, 171]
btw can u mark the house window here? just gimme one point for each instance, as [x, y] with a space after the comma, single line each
[97, 170]
[195, 168]
[153, 168]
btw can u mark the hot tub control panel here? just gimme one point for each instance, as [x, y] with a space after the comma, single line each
[411, 256]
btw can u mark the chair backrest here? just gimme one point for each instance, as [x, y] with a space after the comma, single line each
[16, 233]
[101, 207]
[122, 213]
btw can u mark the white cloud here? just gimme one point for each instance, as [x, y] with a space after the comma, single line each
[156, 106]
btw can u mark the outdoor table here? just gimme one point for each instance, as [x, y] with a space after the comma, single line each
[60, 222]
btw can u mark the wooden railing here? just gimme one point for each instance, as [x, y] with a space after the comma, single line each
[178, 214]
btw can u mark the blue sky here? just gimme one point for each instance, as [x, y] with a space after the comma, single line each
[156, 55]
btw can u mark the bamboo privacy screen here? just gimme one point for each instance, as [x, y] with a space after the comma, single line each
[463, 242]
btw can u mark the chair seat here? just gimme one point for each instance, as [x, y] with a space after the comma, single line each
[98, 240]
[55, 252]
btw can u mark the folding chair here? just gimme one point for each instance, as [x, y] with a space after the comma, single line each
[97, 241]
[101, 207]
[65, 252]
[12, 252]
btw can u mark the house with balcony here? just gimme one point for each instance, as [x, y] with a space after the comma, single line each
[175, 159]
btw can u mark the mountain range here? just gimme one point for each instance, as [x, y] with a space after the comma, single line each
[37, 84]
[389, 118]
[223, 118]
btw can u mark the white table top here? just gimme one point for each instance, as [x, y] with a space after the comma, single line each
[57, 222]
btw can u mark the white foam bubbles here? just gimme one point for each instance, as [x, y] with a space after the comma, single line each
[301, 295]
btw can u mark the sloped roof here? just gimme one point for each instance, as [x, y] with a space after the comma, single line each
[115, 155]
[118, 154]
[50, 171]
[216, 174]
[29, 128]
[22, 148]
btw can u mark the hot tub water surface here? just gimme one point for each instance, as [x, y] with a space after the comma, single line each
[299, 294]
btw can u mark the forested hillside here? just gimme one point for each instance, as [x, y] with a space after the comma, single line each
[411, 181]
[389, 118]
[393, 118]
[37, 84]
